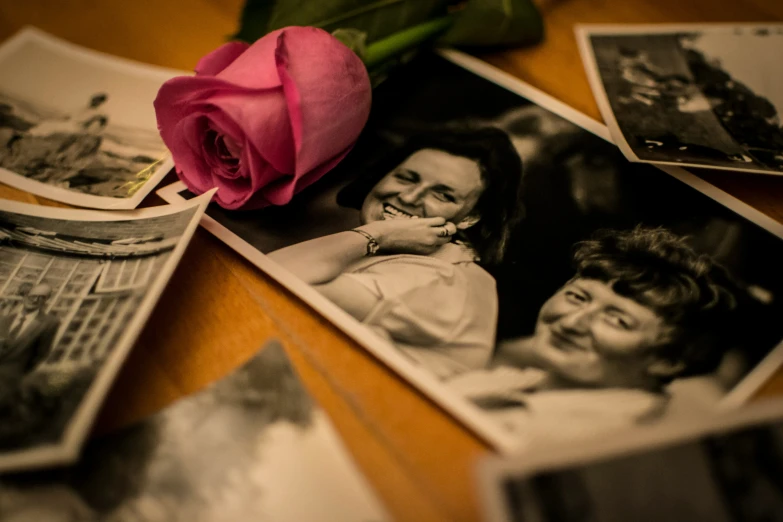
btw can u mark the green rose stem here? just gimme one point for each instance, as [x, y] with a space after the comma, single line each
[387, 48]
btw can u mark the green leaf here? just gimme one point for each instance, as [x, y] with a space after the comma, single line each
[377, 18]
[404, 41]
[354, 39]
[488, 23]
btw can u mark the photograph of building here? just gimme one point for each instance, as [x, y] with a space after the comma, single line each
[94, 293]
[69, 290]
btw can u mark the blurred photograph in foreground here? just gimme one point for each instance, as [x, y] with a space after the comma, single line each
[253, 446]
[726, 469]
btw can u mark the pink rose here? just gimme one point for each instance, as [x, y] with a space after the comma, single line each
[262, 122]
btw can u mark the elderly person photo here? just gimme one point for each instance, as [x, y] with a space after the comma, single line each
[443, 202]
[642, 310]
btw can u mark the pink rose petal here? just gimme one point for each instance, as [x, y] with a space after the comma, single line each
[232, 193]
[237, 113]
[255, 68]
[185, 153]
[220, 58]
[251, 199]
[271, 135]
[281, 191]
[327, 90]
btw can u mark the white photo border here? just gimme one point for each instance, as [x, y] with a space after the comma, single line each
[80, 422]
[468, 414]
[492, 471]
[106, 61]
[583, 34]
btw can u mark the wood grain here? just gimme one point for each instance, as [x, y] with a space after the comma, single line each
[218, 310]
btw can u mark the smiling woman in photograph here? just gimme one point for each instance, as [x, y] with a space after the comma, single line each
[428, 213]
[642, 310]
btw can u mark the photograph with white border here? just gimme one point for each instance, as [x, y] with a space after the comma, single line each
[76, 287]
[566, 293]
[698, 95]
[720, 468]
[78, 126]
[252, 446]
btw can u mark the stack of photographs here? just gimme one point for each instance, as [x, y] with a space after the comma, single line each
[495, 248]
[76, 288]
[703, 96]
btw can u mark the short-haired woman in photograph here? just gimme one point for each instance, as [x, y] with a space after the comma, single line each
[642, 309]
[409, 271]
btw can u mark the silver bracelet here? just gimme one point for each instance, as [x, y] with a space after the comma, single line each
[372, 243]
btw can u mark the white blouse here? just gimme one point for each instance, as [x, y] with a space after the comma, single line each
[441, 310]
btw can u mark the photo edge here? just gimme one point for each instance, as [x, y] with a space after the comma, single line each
[80, 422]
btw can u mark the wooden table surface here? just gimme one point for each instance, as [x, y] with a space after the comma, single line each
[218, 310]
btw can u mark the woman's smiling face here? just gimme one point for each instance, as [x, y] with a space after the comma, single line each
[429, 183]
[588, 334]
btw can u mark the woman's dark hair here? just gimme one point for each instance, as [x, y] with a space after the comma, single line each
[692, 293]
[499, 206]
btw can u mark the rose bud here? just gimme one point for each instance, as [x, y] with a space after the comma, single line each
[262, 122]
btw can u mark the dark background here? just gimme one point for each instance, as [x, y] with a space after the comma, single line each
[575, 183]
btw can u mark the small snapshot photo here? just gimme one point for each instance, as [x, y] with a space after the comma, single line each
[497, 250]
[75, 290]
[695, 95]
[252, 446]
[726, 469]
[78, 126]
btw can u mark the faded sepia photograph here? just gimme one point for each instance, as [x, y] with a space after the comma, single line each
[702, 95]
[76, 125]
[252, 446]
[497, 250]
[74, 293]
[729, 469]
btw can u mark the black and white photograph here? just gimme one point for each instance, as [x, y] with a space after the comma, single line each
[727, 468]
[79, 126]
[75, 289]
[700, 95]
[497, 250]
[252, 446]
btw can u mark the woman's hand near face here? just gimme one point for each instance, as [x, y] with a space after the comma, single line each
[420, 236]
